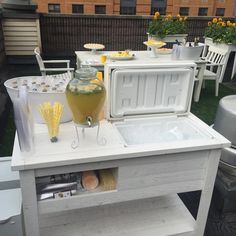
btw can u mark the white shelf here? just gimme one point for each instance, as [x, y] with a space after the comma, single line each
[160, 216]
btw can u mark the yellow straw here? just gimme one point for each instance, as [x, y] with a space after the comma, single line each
[52, 116]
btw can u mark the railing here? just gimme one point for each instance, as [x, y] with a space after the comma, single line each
[63, 34]
[2, 46]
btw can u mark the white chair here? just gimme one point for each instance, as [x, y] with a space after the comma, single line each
[216, 61]
[42, 63]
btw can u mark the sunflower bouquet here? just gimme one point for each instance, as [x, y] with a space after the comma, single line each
[221, 31]
[161, 26]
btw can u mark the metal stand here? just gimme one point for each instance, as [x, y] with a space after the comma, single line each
[100, 140]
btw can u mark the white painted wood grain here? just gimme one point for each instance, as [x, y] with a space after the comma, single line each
[18, 22]
[207, 190]
[108, 197]
[165, 164]
[20, 29]
[20, 39]
[19, 33]
[19, 53]
[161, 179]
[30, 207]
[161, 216]
[133, 166]
[20, 43]
[21, 36]
[20, 48]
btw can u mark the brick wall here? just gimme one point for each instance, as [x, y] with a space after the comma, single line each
[143, 7]
[89, 5]
[173, 6]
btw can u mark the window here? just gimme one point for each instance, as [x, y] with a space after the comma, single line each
[162, 10]
[100, 9]
[183, 11]
[158, 5]
[77, 8]
[220, 11]
[128, 10]
[128, 7]
[54, 8]
[202, 11]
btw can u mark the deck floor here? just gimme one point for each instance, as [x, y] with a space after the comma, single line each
[217, 225]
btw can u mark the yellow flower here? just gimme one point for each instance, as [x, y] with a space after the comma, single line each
[185, 18]
[178, 16]
[214, 20]
[223, 24]
[157, 14]
[180, 19]
[155, 17]
[234, 24]
[209, 23]
[219, 23]
[169, 16]
[228, 23]
[220, 19]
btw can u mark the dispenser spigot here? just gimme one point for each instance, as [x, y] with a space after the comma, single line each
[89, 121]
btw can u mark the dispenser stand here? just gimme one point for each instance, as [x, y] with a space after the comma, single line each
[100, 140]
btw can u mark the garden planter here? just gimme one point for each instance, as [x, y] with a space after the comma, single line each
[229, 47]
[169, 38]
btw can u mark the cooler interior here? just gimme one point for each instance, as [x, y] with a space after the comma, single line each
[159, 130]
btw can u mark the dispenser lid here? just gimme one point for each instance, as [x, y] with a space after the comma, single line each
[150, 91]
[86, 72]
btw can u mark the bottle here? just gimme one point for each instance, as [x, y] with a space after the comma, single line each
[85, 95]
[196, 41]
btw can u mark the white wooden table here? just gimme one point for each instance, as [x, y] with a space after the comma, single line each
[93, 59]
[149, 175]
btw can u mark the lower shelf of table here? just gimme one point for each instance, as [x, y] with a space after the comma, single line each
[165, 215]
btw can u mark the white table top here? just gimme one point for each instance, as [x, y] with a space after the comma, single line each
[47, 154]
[93, 59]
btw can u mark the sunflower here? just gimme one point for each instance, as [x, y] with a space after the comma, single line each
[214, 20]
[157, 14]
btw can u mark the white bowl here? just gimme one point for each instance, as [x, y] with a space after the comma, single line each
[36, 98]
[190, 53]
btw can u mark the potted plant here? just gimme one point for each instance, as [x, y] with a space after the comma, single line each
[221, 33]
[167, 28]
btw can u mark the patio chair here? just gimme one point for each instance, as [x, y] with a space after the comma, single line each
[216, 61]
[44, 69]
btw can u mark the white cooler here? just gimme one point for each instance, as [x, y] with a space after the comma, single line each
[151, 106]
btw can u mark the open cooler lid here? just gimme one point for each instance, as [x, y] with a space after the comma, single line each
[150, 91]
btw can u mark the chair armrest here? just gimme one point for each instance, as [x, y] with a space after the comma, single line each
[56, 61]
[215, 64]
[57, 69]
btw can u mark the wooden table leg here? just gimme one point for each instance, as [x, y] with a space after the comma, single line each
[234, 66]
[207, 190]
[198, 87]
[30, 205]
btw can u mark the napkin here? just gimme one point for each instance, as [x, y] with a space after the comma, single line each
[23, 120]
